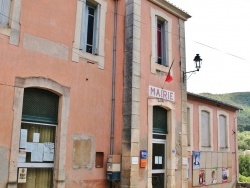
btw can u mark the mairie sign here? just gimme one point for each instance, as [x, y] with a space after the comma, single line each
[161, 93]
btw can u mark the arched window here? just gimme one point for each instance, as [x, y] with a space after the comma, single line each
[38, 133]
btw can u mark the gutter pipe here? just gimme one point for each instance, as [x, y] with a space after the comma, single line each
[112, 126]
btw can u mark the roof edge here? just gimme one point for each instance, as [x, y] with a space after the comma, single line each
[213, 101]
[172, 9]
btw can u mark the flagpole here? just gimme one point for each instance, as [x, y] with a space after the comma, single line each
[168, 73]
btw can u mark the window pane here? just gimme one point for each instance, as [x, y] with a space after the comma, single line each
[159, 120]
[205, 129]
[90, 30]
[159, 42]
[223, 131]
[188, 127]
[158, 180]
[4, 12]
[158, 159]
[40, 106]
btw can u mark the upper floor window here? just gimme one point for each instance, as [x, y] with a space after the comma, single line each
[10, 11]
[161, 25]
[205, 129]
[90, 32]
[223, 131]
[188, 127]
[4, 12]
[161, 41]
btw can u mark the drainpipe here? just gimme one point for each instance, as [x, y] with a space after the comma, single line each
[112, 126]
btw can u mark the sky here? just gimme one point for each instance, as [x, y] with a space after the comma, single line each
[219, 30]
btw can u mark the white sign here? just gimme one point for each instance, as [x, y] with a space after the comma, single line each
[135, 160]
[161, 93]
[22, 174]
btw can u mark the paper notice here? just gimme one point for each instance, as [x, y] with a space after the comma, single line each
[36, 137]
[37, 152]
[23, 138]
[22, 157]
[160, 159]
[48, 151]
[22, 174]
[156, 160]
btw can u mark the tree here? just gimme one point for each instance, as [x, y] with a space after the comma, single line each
[244, 165]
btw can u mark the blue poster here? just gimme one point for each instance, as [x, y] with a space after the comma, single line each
[196, 159]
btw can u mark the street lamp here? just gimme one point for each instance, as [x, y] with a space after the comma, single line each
[198, 61]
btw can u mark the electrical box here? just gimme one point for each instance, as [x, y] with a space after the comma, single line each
[112, 176]
[114, 167]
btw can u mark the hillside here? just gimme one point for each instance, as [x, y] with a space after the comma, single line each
[239, 99]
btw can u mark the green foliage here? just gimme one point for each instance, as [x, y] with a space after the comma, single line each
[244, 179]
[239, 99]
[244, 140]
[244, 165]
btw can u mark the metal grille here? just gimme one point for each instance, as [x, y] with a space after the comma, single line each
[159, 120]
[40, 106]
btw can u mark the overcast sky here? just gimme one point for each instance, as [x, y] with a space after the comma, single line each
[219, 30]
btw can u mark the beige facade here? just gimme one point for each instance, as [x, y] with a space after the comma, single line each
[83, 80]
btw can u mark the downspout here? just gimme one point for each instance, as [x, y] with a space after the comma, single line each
[112, 126]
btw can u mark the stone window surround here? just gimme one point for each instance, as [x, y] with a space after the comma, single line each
[77, 53]
[220, 112]
[13, 31]
[155, 66]
[191, 123]
[63, 113]
[170, 141]
[210, 111]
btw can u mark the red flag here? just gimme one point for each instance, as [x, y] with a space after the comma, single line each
[169, 78]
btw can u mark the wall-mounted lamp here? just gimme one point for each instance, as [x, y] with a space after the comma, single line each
[197, 60]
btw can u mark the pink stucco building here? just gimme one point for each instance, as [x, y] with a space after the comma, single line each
[84, 101]
[212, 142]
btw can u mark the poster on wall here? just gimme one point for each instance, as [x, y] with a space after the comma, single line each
[196, 159]
[225, 174]
[202, 175]
[22, 174]
[36, 150]
[23, 138]
[48, 151]
[214, 175]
